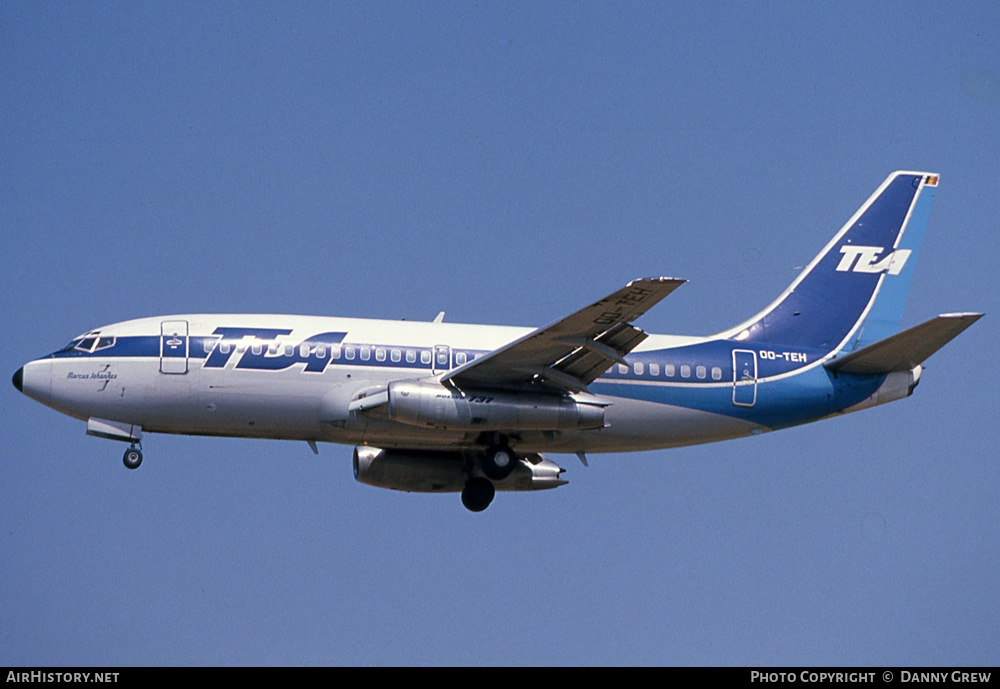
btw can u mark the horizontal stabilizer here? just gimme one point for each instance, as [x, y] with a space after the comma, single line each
[906, 350]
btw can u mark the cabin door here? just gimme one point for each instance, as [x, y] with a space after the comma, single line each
[174, 347]
[744, 377]
[442, 359]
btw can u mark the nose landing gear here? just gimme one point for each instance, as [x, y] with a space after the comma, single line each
[132, 457]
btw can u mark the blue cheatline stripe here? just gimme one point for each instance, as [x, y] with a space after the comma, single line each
[209, 349]
[771, 361]
[829, 300]
[710, 355]
[783, 403]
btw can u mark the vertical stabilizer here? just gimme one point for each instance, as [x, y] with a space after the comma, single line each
[853, 293]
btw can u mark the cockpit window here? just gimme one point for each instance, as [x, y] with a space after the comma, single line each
[91, 344]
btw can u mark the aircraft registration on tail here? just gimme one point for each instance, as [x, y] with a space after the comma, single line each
[448, 407]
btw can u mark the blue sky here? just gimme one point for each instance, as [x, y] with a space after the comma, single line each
[506, 163]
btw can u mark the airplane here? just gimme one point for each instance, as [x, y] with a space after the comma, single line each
[448, 407]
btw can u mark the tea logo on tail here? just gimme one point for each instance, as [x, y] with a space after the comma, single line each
[867, 259]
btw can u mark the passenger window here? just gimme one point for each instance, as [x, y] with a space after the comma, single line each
[379, 354]
[320, 352]
[366, 353]
[289, 350]
[349, 352]
[669, 370]
[425, 356]
[701, 372]
[257, 349]
[685, 371]
[411, 356]
[208, 345]
[654, 369]
[304, 351]
[639, 368]
[395, 355]
[716, 373]
[460, 358]
[224, 348]
[335, 352]
[622, 369]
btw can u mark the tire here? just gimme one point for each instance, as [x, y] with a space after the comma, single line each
[132, 458]
[498, 462]
[478, 494]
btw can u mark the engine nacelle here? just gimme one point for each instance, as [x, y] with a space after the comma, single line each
[437, 406]
[419, 471]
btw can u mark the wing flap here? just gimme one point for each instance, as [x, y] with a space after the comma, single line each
[594, 357]
[573, 352]
[906, 350]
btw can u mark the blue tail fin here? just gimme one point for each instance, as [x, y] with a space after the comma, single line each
[853, 293]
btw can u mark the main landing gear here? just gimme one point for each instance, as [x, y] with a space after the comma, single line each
[132, 457]
[478, 494]
[497, 462]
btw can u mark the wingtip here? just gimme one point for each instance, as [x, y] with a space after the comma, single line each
[658, 279]
[970, 316]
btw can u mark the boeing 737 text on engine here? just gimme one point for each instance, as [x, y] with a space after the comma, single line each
[446, 407]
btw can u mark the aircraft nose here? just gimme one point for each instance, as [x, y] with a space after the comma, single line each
[34, 379]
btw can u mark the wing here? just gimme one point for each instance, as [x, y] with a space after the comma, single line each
[570, 353]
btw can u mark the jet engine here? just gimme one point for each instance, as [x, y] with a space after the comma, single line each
[437, 406]
[420, 471]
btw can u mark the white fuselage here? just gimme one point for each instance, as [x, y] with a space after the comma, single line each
[294, 377]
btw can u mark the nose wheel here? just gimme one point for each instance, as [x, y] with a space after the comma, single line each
[132, 458]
